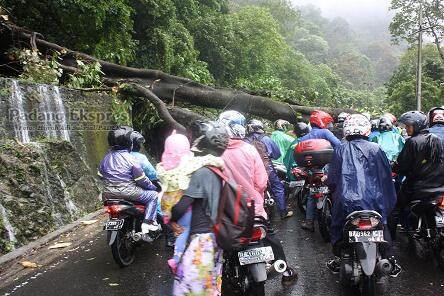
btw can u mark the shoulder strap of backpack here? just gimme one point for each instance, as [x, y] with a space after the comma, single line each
[218, 172]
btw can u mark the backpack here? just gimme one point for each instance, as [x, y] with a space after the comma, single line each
[233, 227]
[262, 149]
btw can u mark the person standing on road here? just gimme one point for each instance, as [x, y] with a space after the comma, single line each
[281, 138]
[268, 150]
[200, 270]
[244, 165]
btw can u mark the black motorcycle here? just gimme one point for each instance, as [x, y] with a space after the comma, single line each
[124, 229]
[245, 271]
[363, 269]
[428, 217]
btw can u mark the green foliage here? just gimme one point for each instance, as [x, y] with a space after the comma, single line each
[89, 75]
[35, 67]
[121, 110]
[402, 85]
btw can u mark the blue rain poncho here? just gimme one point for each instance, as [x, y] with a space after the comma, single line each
[391, 143]
[360, 177]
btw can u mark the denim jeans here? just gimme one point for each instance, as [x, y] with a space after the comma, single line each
[311, 208]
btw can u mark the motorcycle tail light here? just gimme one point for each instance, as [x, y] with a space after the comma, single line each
[258, 234]
[366, 224]
[318, 195]
[114, 210]
[141, 208]
[441, 201]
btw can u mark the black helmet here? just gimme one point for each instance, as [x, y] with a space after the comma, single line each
[301, 129]
[137, 140]
[417, 119]
[385, 124]
[120, 138]
[375, 124]
[436, 116]
[209, 137]
[255, 126]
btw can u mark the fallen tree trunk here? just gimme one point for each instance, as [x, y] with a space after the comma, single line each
[173, 89]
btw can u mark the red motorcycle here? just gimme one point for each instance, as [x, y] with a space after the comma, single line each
[312, 156]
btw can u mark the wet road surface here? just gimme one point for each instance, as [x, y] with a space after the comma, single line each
[90, 270]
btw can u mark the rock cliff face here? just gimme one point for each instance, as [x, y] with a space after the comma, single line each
[51, 140]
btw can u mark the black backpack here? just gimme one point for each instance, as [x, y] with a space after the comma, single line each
[235, 215]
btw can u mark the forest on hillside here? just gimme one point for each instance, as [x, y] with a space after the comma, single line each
[265, 47]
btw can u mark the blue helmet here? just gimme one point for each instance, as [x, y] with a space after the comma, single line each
[234, 122]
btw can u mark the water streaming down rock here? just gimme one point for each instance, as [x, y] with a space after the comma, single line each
[61, 110]
[18, 113]
[46, 109]
[7, 225]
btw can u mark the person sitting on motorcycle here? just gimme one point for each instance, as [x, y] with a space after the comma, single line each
[319, 121]
[124, 178]
[268, 150]
[375, 129]
[300, 130]
[281, 138]
[146, 165]
[244, 165]
[338, 127]
[360, 178]
[391, 143]
[175, 170]
[421, 161]
[199, 272]
[436, 122]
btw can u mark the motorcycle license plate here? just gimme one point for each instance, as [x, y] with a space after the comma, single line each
[319, 189]
[363, 236]
[256, 255]
[298, 183]
[114, 224]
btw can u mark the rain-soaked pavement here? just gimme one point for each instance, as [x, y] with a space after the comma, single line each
[89, 270]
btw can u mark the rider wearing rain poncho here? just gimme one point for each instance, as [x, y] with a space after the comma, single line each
[360, 179]
[391, 143]
[282, 140]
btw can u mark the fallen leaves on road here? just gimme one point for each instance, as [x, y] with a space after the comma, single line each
[29, 264]
[91, 259]
[113, 284]
[89, 222]
[60, 245]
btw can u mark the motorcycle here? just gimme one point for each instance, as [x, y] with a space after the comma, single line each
[362, 265]
[245, 271]
[314, 187]
[292, 188]
[428, 216]
[124, 229]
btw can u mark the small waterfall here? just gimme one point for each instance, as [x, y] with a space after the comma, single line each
[18, 119]
[61, 110]
[54, 112]
[67, 197]
[7, 225]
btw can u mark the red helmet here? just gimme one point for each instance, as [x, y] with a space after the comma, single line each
[320, 119]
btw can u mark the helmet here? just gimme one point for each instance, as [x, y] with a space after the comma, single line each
[137, 140]
[255, 126]
[320, 119]
[176, 146]
[301, 129]
[417, 119]
[385, 124]
[367, 115]
[281, 124]
[391, 117]
[343, 116]
[375, 124]
[357, 125]
[120, 138]
[234, 123]
[436, 115]
[209, 137]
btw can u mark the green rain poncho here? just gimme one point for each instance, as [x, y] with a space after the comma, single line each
[283, 141]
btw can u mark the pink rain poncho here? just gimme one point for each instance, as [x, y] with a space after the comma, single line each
[244, 165]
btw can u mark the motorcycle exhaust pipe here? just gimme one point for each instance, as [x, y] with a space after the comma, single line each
[277, 268]
[271, 202]
[383, 267]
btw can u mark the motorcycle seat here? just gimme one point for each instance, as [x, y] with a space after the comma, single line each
[122, 202]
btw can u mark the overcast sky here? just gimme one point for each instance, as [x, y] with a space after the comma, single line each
[353, 10]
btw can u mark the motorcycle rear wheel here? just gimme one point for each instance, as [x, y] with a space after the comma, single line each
[368, 286]
[256, 289]
[123, 248]
[324, 221]
[302, 201]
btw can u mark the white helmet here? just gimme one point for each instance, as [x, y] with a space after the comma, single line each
[234, 122]
[357, 124]
[343, 116]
